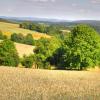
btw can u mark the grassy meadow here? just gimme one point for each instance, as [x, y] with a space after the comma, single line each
[34, 84]
[9, 28]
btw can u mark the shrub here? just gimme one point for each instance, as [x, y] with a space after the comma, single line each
[2, 36]
[27, 61]
[8, 54]
[17, 38]
[29, 39]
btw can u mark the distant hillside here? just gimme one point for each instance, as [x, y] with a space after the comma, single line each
[31, 19]
[9, 28]
[4, 20]
[94, 23]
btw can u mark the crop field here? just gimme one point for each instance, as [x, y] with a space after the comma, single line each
[9, 28]
[35, 84]
[24, 49]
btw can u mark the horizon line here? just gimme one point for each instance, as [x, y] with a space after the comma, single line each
[62, 19]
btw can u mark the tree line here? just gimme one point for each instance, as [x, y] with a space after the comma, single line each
[79, 50]
[19, 38]
[43, 28]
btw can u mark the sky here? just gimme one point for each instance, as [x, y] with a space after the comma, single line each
[59, 9]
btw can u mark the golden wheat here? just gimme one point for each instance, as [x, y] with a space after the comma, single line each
[32, 84]
[24, 49]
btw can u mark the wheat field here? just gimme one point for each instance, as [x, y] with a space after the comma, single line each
[9, 28]
[24, 49]
[34, 84]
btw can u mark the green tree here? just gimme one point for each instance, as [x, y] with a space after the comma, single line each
[81, 49]
[44, 50]
[27, 61]
[8, 54]
[17, 37]
[29, 39]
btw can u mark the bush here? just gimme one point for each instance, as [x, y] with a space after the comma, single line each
[27, 61]
[2, 37]
[29, 39]
[8, 54]
[17, 38]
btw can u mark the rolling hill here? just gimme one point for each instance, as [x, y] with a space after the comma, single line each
[9, 28]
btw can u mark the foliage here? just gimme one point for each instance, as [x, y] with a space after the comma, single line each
[29, 39]
[45, 49]
[32, 26]
[2, 37]
[8, 54]
[81, 49]
[20, 38]
[43, 27]
[17, 37]
[27, 61]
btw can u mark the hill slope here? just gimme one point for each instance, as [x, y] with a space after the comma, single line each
[29, 84]
[9, 28]
[23, 49]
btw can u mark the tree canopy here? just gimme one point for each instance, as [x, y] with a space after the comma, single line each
[8, 54]
[45, 49]
[82, 48]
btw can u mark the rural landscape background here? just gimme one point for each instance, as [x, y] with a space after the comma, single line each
[49, 50]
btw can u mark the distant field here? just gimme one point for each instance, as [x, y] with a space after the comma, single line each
[32, 84]
[9, 28]
[23, 49]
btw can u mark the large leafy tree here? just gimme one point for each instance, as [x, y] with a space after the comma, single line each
[81, 49]
[8, 54]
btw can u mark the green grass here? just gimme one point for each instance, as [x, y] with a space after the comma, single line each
[32, 84]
